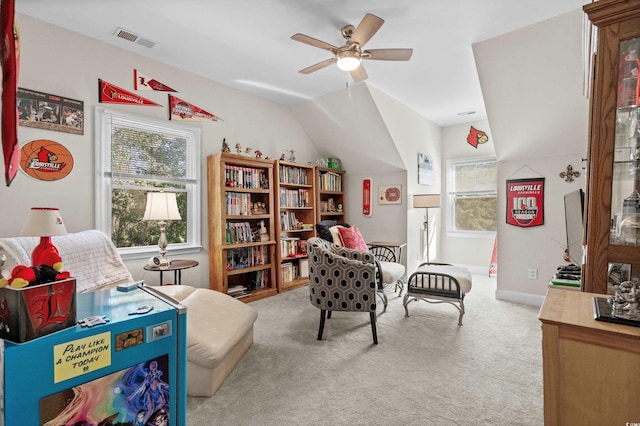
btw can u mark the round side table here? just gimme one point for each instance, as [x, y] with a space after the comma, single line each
[176, 266]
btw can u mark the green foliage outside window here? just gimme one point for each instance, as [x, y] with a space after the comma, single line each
[144, 161]
[474, 195]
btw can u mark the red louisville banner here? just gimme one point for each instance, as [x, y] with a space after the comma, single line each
[144, 82]
[182, 110]
[10, 61]
[111, 94]
[525, 202]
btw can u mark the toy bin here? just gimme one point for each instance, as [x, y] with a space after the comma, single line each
[35, 311]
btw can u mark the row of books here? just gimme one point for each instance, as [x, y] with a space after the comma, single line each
[293, 247]
[239, 203]
[295, 197]
[290, 271]
[239, 232]
[289, 221]
[245, 177]
[293, 175]
[247, 257]
[330, 182]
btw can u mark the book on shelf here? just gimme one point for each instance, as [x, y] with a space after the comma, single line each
[304, 268]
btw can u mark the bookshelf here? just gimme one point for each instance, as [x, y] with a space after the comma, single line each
[330, 196]
[242, 245]
[295, 220]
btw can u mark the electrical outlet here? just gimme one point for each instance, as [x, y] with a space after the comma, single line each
[533, 274]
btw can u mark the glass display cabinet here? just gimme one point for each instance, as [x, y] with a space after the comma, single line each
[613, 186]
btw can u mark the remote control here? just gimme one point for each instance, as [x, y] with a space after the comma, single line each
[129, 286]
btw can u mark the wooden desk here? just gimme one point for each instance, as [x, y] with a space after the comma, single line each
[591, 368]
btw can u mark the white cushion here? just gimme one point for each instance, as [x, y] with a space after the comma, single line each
[461, 274]
[391, 271]
[335, 233]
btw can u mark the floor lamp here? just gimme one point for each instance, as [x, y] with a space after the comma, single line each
[425, 201]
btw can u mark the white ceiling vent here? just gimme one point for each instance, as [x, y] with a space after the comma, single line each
[133, 37]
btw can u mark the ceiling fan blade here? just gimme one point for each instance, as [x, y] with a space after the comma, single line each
[359, 74]
[314, 42]
[318, 66]
[369, 25]
[388, 54]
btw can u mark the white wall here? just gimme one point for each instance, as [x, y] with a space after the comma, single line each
[531, 82]
[471, 252]
[60, 62]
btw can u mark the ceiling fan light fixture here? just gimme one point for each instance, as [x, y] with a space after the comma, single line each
[348, 60]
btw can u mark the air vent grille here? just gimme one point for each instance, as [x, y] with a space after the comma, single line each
[133, 37]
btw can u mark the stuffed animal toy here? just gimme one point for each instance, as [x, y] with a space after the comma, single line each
[50, 270]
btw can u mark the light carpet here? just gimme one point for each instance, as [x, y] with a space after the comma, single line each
[426, 370]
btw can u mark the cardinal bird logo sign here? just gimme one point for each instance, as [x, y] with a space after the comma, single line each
[525, 202]
[476, 137]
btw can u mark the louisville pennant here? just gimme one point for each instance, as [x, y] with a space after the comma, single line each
[10, 61]
[144, 82]
[181, 110]
[112, 94]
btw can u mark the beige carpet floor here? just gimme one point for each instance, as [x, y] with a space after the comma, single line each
[426, 370]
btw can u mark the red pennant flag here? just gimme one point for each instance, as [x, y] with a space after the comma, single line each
[10, 60]
[181, 110]
[112, 94]
[144, 82]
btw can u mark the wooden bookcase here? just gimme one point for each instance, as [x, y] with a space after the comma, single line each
[240, 200]
[330, 194]
[295, 220]
[613, 183]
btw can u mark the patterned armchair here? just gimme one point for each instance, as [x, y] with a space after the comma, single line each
[341, 279]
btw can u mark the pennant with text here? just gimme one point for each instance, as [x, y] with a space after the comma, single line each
[144, 82]
[10, 61]
[181, 110]
[112, 94]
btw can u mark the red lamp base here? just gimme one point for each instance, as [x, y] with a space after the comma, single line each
[45, 253]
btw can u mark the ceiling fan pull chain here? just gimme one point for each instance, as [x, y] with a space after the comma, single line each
[348, 86]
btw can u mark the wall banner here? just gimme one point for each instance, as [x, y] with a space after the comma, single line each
[525, 202]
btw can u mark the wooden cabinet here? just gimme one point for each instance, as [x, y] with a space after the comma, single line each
[241, 226]
[330, 200]
[613, 183]
[590, 368]
[295, 219]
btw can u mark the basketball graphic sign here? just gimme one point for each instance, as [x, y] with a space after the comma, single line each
[45, 159]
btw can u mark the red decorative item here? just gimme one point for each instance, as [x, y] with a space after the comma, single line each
[44, 222]
[10, 61]
[366, 197]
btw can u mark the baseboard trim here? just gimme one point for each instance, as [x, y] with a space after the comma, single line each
[517, 297]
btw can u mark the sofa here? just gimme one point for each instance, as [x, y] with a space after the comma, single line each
[219, 327]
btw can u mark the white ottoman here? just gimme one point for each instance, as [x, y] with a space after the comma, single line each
[219, 332]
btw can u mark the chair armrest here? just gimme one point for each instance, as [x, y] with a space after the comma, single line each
[362, 256]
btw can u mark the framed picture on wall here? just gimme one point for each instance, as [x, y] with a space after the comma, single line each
[390, 194]
[425, 169]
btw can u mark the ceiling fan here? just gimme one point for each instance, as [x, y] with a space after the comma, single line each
[348, 56]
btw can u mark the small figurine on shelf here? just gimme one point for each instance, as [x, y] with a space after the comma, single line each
[248, 150]
[282, 156]
[238, 149]
[261, 233]
[225, 145]
[292, 155]
[258, 153]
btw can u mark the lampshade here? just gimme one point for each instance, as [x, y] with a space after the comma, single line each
[348, 60]
[426, 200]
[44, 221]
[161, 206]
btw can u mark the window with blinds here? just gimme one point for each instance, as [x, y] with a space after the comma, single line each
[137, 155]
[472, 195]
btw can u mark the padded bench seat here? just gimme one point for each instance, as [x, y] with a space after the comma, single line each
[438, 283]
[219, 332]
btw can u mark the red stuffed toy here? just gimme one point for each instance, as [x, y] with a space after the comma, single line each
[22, 275]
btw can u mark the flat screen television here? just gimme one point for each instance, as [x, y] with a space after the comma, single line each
[574, 220]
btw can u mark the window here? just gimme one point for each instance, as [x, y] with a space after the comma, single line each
[135, 155]
[473, 196]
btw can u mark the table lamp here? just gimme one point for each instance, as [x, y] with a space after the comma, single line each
[44, 222]
[162, 206]
[426, 201]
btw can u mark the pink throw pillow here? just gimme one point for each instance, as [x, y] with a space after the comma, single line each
[352, 238]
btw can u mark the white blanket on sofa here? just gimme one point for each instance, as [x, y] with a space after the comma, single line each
[89, 256]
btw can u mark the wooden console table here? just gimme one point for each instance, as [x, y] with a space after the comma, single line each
[591, 368]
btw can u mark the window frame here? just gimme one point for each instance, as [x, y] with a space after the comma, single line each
[451, 195]
[103, 184]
